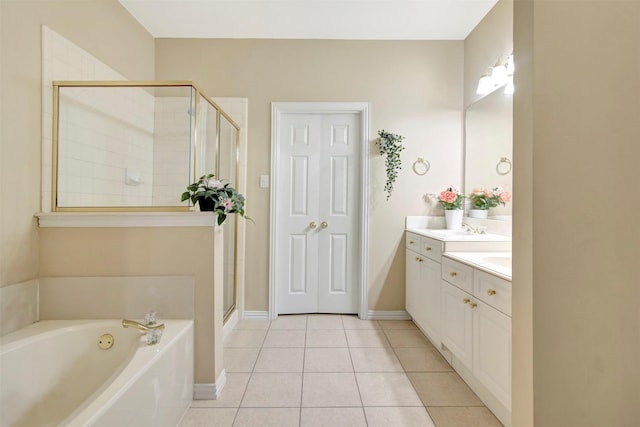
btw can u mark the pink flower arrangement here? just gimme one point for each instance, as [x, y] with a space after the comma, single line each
[451, 198]
[484, 199]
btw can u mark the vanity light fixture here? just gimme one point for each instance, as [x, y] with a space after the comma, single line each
[498, 75]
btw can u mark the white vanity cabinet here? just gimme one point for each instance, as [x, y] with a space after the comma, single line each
[476, 328]
[422, 293]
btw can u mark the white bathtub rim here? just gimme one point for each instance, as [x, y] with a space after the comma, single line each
[138, 365]
[129, 375]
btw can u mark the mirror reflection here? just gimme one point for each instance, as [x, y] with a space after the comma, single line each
[489, 147]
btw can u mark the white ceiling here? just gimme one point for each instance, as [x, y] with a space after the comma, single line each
[310, 19]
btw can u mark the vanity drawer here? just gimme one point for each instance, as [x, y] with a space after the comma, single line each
[431, 248]
[458, 274]
[414, 242]
[493, 290]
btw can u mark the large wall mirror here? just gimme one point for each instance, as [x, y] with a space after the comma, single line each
[489, 147]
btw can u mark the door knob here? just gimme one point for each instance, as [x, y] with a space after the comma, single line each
[324, 224]
[312, 225]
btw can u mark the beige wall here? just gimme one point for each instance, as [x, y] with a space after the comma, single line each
[578, 237]
[490, 39]
[167, 251]
[415, 89]
[102, 27]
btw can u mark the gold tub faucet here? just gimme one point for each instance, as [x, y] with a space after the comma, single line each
[144, 328]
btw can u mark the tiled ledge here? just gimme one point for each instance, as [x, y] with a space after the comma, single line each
[126, 219]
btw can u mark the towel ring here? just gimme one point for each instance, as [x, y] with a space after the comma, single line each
[421, 166]
[503, 170]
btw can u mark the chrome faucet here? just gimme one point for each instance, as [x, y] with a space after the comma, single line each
[481, 229]
[144, 328]
[469, 228]
[153, 332]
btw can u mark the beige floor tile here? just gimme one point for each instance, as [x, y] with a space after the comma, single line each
[280, 360]
[406, 338]
[332, 417]
[231, 395]
[353, 322]
[425, 359]
[252, 324]
[207, 417]
[273, 390]
[240, 359]
[397, 324]
[443, 389]
[267, 417]
[386, 389]
[476, 416]
[330, 390]
[324, 321]
[375, 360]
[327, 360]
[285, 338]
[398, 416]
[366, 338]
[240, 338]
[290, 321]
[326, 338]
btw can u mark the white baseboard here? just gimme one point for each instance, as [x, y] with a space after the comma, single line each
[255, 315]
[388, 315]
[210, 391]
[231, 323]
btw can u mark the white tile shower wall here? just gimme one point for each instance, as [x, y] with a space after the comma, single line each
[93, 164]
[18, 306]
[172, 297]
[171, 150]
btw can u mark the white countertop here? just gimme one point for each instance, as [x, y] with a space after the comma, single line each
[458, 235]
[496, 263]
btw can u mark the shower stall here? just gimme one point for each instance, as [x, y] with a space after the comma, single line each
[136, 145]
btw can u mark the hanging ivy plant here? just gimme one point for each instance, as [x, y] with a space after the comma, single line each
[390, 146]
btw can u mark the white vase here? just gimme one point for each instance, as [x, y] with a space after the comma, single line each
[478, 213]
[453, 218]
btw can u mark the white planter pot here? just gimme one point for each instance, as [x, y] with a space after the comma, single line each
[478, 213]
[453, 219]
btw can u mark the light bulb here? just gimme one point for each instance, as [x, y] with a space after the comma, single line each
[499, 74]
[509, 88]
[511, 66]
[485, 84]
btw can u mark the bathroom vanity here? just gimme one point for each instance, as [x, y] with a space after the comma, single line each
[458, 292]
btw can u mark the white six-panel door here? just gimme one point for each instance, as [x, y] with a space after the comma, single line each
[316, 217]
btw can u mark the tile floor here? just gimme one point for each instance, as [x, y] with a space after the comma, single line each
[332, 370]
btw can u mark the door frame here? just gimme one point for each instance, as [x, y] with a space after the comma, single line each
[362, 109]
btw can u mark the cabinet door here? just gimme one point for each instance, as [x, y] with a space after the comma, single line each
[429, 298]
[457, 323]
[492, 351]
[412, 281]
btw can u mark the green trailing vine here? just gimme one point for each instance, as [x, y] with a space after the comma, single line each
[391, 146]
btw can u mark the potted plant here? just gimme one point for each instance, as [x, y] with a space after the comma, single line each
[482, 200]
[391, 146]
[451, 200]
[214, 195]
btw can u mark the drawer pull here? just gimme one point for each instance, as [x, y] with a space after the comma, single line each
[453, 274]
[466, 300]
[473, 305]
[491, 292]
[411, 242]
[427, 248]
